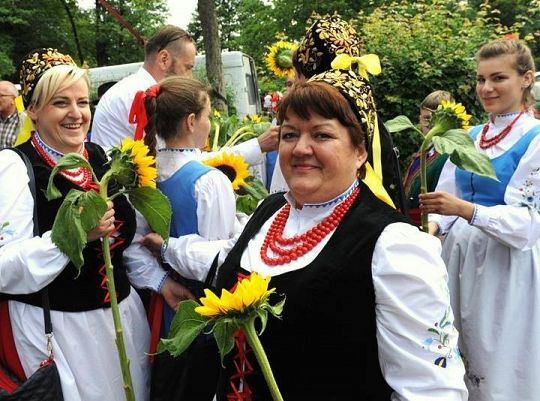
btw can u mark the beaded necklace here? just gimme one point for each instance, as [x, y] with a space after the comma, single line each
[80, 176]
[488, 143]
[299, 245]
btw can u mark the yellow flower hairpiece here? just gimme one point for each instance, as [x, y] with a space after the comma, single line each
[367, 64]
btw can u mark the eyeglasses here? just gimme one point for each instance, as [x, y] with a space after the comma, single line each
[6, 94]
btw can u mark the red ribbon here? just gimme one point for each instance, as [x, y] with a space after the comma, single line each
[137, 114]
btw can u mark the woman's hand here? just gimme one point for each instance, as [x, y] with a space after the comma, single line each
[104, 227]
[174, 293]
[446, 204]
[153, 242]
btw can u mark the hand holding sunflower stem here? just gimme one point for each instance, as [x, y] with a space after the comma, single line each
[447, 135]
[133, 173]
[234, 310]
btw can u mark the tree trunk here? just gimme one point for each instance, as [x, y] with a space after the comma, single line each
[101, 45]
[212, 48]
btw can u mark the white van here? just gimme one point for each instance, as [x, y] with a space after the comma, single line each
[238, 73]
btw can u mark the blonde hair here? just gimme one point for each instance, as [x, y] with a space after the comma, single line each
[523, 60]
[53, 80]
[432, 101]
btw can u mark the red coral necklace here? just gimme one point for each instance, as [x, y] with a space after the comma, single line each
[299, 245]
[79, 176]
[488, 143]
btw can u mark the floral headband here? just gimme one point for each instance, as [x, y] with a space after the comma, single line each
[137, 114]
[34, 65]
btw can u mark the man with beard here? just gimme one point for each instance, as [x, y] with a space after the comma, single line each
[170, 51]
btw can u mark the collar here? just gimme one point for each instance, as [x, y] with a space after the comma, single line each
[325, 205]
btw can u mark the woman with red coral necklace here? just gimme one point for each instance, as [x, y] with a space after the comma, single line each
[367, 315]
[492, 248]
[56, 96]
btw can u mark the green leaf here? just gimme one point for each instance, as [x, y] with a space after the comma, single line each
[68, 233]
[185, 327]
[460, 148]
[93, 209]
[67, 162]
[277, 309]
[154, 206]
[246, 204]
[399, 123]
[263, 315]
[224, 334]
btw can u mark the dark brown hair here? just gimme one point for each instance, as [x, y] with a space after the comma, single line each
[523, 60]
[168, 36]
[325, 100]
[178, 97]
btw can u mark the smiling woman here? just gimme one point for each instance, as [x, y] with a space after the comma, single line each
[359, 322]
[55, 93]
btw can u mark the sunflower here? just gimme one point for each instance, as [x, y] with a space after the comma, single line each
[250, 292]
[233, 166]
[279, 58]
[137, 151]
[451, 115]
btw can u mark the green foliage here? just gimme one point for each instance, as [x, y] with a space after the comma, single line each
[460, 146]
[79, 213]
[69, 161]
[27, 25]
[154, 206]
[185, 327]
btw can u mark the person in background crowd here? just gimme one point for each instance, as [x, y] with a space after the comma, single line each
[492, 246]
[11, 120]
[170, 51]
[358, 323]
[56, 96]
[435, 161]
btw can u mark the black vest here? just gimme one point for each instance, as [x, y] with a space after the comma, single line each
[87, 291]
[325, 346]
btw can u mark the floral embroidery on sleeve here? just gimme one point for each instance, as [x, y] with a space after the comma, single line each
[6, 234]
[440, 342]
[530, 194]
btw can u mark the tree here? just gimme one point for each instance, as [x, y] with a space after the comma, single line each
[212, 47]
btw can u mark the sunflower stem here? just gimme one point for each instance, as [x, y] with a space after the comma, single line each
[215, 144]
[122, 354]
[232, 140]
[256, 346]
[426, 143]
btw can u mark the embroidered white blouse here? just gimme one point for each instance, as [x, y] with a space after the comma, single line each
[411, 291]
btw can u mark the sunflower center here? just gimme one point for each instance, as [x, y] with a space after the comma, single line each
[229, 171]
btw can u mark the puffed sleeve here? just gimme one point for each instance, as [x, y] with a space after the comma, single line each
[27, 263]
[517, 223]
[216, 206]
[143, 269]
[416, 336]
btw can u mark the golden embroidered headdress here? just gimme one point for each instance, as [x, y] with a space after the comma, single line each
[34, 65]
[326, 38]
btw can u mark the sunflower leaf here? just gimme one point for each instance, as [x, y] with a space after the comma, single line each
[263, 315]
[154, 206]
[399, 123]
[277, 309]
[224, 334]
[68, 233]
[67, 162]
[460, 148]
[185, 327]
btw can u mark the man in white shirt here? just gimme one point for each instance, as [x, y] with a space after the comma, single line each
[170, 51]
